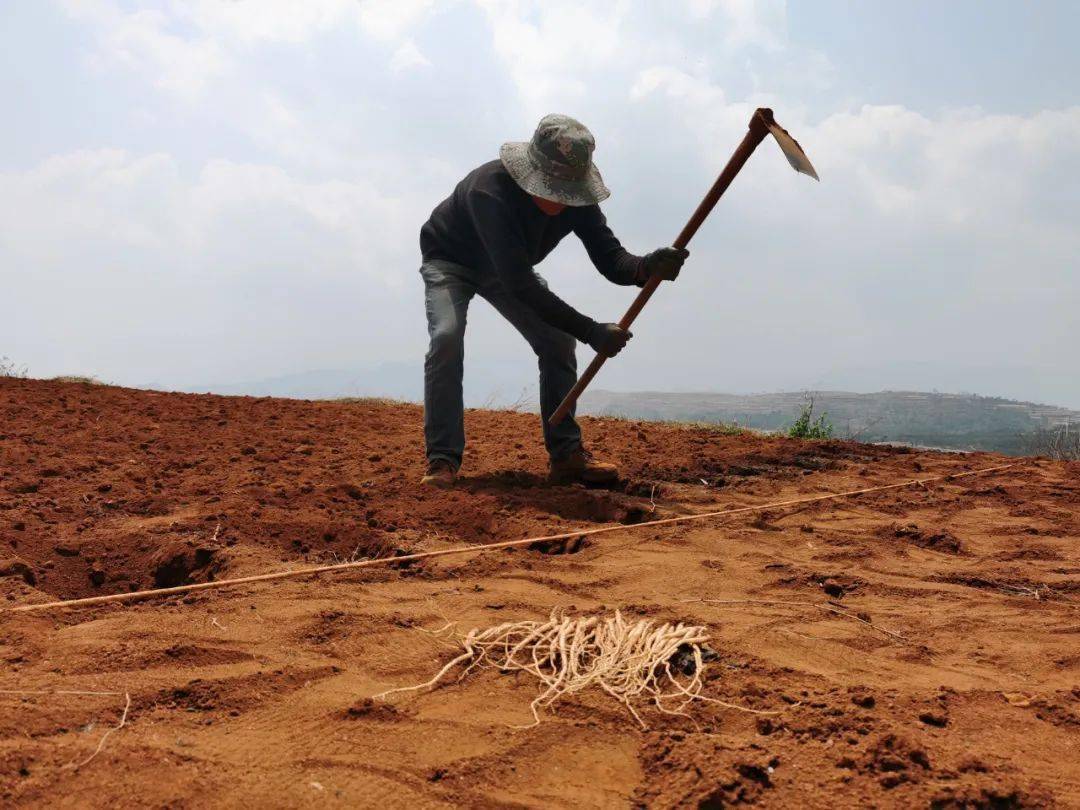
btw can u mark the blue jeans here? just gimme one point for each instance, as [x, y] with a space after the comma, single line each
[448, 289]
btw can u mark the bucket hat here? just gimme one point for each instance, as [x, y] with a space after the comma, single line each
[557, 163]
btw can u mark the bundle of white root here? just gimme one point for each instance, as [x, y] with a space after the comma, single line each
[629, 661]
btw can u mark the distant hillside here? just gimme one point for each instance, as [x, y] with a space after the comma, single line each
[952, 421]
[955, 421]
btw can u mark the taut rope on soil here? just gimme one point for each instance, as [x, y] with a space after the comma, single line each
[134, 596]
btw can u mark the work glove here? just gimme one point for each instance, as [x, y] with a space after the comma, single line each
[608, 339]
[665, 262]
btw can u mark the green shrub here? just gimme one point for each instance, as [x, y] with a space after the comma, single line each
[806, 427]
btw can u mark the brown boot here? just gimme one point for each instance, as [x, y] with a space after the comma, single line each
[440, 473]
[579, 467]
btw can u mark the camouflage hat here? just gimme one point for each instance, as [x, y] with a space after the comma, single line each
[557, 164]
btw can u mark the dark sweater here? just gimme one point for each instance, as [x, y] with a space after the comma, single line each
[489, 223]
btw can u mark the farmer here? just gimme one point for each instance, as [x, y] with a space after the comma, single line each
[502, 219]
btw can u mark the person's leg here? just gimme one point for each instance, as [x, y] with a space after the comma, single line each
[447, 292]
[558, 365]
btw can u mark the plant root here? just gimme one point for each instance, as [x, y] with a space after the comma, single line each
[629, 661]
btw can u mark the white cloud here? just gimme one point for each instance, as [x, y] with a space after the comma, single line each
[183, 45]
[548, 45]
[694, 99]
[407, 57]
[962, 168]
[750, 22]
[253, 21]
[965, 168]
[145, 42]
[391, 19]
[227, 272]
[292, 21]
[118, 201]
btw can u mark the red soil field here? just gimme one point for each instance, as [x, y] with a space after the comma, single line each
[921, 646]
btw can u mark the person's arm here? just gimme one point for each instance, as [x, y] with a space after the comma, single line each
[613, 260]
[505, 245]
[615, 263]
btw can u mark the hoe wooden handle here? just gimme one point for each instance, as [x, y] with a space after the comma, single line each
[759, 128]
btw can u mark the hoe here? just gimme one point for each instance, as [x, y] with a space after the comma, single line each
[761, 124]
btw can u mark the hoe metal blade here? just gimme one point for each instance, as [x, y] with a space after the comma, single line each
[792, 151]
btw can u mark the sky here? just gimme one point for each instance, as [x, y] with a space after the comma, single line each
[205, 193]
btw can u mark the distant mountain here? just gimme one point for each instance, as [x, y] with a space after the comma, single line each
[954, 421]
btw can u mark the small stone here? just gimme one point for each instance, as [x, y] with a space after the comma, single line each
[864, 700]
[833, 589]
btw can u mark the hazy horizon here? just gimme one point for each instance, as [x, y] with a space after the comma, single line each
[503, 385]
[203, 193]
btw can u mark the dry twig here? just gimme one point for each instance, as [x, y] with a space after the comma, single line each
[105, 736]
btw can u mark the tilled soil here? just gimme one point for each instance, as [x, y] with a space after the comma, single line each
[921, 645]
